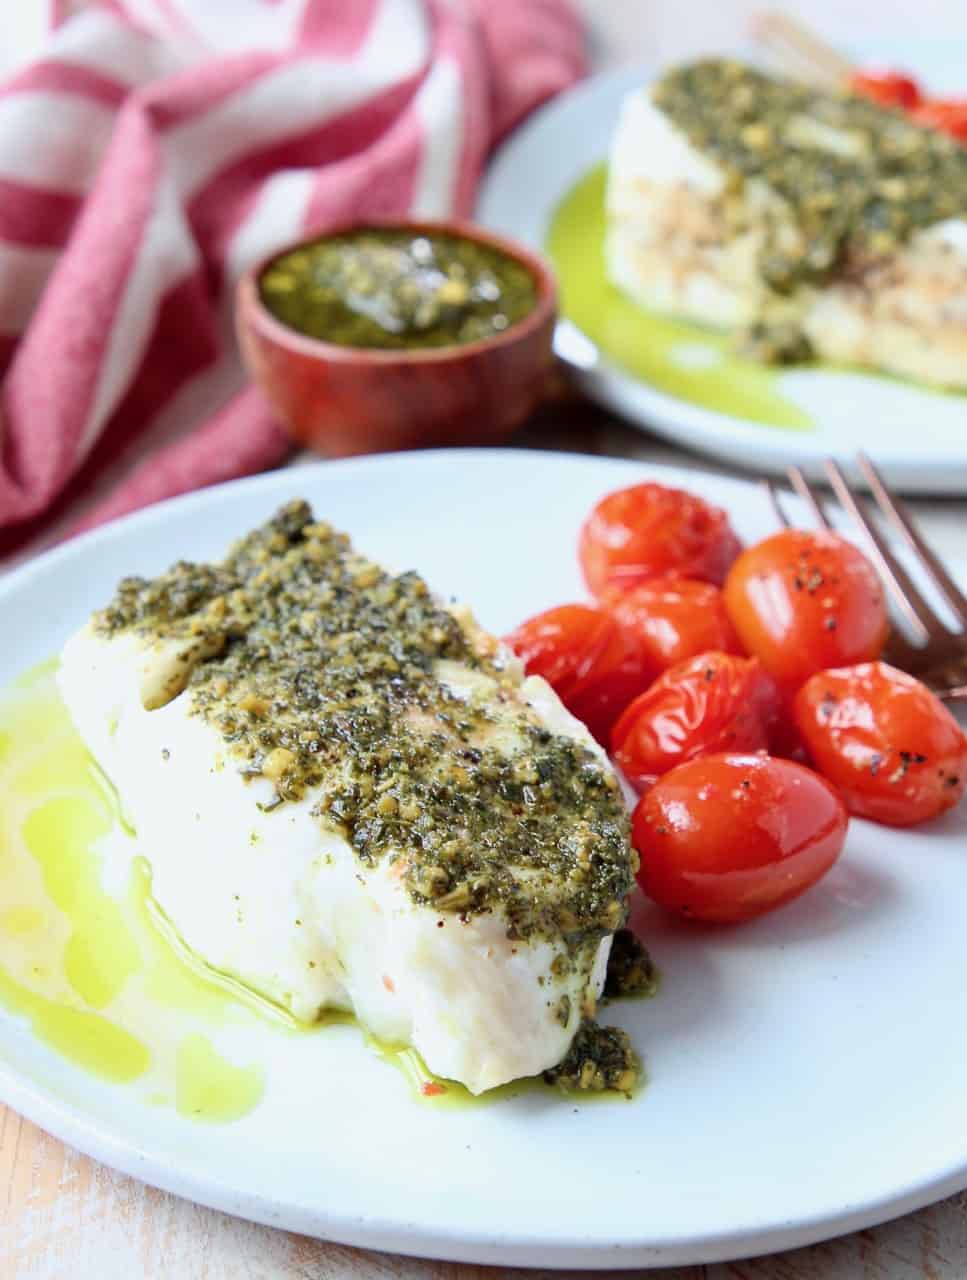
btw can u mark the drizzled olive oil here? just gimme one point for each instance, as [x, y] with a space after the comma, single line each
[678, 357]
[85, 1038]
[208, 1087]
[83, 957]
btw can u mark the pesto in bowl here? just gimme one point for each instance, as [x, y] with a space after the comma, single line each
[393, 288]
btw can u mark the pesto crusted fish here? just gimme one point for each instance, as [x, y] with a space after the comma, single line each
[351, 797]
[809, 223]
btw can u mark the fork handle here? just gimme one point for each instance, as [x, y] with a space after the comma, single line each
[798, 48]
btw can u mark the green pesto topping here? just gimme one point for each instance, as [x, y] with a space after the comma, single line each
[599, 1058]
[833, 184]
[322, 671]
[631, 971]
[393, 289]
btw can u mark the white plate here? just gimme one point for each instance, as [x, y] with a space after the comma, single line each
[918, 436]
[805, 1071]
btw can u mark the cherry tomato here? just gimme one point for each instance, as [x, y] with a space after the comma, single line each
[648, 531]
[674, 619]
[785, 739]
[804, 601]
[888, 88]
[714, 702]
[589, 660]
[727, 837]
[892, 748]
[949, 115]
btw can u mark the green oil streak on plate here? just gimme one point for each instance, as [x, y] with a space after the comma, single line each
[101, 953]
[66, 815]
[18, 921]
[175, 977]
[449, 1095]
[683, 360]
[38, 676]
[83, 1037]
[208, 1087]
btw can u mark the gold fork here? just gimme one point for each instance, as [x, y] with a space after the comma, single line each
[929, 650]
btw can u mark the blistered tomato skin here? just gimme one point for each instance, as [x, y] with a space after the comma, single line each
[725, 838]
[649, 530]
[591, 663]
[674, 619]
[802, 601]
[948, 115]
[889, 88]
[714, 702]
[889, 745]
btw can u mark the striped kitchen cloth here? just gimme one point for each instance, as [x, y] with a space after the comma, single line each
[151, 150]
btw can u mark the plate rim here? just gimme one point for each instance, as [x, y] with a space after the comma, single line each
[399, 1236]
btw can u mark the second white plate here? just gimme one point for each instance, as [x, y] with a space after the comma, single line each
[918, 436]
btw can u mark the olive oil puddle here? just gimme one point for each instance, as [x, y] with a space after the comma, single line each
[678, 357]
[91, 961]
[83, 959]
[682, 358]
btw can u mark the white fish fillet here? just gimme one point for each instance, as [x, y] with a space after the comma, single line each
[278, 898]
[670, 248]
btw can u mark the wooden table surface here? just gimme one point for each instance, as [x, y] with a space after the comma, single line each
[64, 1215]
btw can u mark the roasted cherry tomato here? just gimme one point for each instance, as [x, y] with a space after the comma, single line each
[892, 89]
[588, 658]
[675, 619]
[892, 748]
[713, 702]
[648, 531]
[888, 88]
[947, 114]
[804, 601]
[727, 837]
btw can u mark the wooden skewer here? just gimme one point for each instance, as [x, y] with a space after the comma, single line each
[800, 50]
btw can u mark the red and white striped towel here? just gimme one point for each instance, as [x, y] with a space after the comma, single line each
[153, 150]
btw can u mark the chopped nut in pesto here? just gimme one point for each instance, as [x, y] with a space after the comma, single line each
[379, 287]
[599, 1059]
[323, 672]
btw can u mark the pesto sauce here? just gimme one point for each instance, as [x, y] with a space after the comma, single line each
[854, 179]
[395, 289]
[320, 670]
[631, 970]
[600, 1059]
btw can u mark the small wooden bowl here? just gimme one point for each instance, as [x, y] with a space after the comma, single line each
[343, 400]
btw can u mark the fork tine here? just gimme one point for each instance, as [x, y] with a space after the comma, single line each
[773, 493]
[808, 495]
[899, 652]
[894, 509]
[913, 606]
